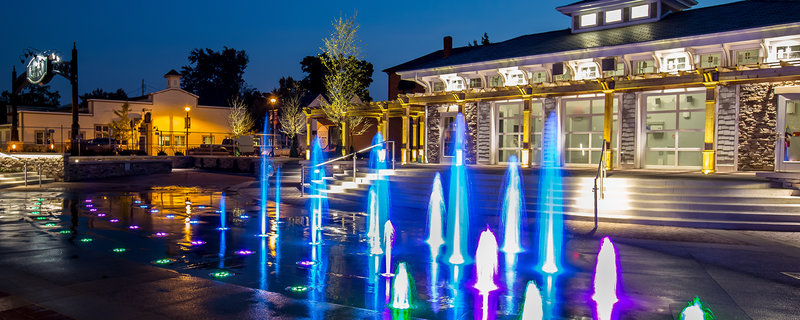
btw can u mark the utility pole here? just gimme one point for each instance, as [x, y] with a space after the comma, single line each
[76, 127]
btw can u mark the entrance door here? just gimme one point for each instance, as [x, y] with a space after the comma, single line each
[448, 127]
[674, 127]
[787, 151]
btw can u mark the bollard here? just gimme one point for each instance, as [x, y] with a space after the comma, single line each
[39, 171]
[25, 175]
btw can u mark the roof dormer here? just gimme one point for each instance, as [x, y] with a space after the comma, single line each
[590, 15]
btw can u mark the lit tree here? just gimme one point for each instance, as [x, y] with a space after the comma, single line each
[292, 118]
[239, 120]
[341, 59]
[124, 128]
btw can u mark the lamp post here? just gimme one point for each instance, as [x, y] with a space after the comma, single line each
[272, 101]
[187, 124]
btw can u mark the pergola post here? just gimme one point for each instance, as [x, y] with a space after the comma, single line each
[709, 155]
[308, 137]
[405, 149]
[608, 114]
[525, 160]
[421, 151]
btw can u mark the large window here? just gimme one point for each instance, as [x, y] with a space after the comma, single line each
[509, 130]
[101, 131]
[42, 137]
[674, 129]
[583, 129]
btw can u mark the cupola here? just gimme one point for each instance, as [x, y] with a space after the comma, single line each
[590, 15]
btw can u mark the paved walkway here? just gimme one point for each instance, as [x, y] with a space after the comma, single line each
[740, 274]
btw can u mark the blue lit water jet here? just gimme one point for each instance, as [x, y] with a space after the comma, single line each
[605, 280]
[264, 170]
[458, 204]
[373, 229]
[435, 212]
[513, 206]
[510, 275]
[262, 265]
[222, 248]
[317, 188]
[222, 213]
[550, 222]
[401, 289]
[532, 309]
[486, 262]
[277, 197]
[378, 166]
[388, 238]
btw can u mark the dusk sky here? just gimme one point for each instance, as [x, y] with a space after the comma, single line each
[122, 42]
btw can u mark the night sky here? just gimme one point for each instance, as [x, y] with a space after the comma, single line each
[120, 43]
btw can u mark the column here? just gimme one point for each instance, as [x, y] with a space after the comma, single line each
[414, 148]
[404, 150]
[308, 137]
[421, 153]
[709, 162]
[526, 133]
[608, 114]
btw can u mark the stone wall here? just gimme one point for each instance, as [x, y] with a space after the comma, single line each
[84, 170]
[52, 166]
[484, 133]
[627, 141]
[471, 136]
[757, 125]
[434, 133]
[727, 102]
[550, 105]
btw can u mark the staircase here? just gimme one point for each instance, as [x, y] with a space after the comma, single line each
[684, 200]
[8, 180]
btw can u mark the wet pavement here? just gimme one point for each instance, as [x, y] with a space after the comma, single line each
[176, 264]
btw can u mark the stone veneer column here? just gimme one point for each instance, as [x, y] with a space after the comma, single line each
[471, 119]
[627, 143]
[434, 133]
[550, 105]
[757, 126]
[484, 133]
[727, 112]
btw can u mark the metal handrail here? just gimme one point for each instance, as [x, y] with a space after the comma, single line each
[352, 154]
[601, 175]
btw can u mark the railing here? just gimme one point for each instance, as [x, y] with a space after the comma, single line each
[601, 176]
[25, 168]
[352, 154]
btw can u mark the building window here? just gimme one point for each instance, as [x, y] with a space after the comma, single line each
[165, 140]
[645, 66]
[588, 20]
[509, 130]
[438, 86]
[42, 137]
[476, 83]
[619, 71]
[180, 140]
[452, 82]
[208, 139]
[513, 76]
[538, 76]
[612, 16]
[783, 52]
[642, 11]
[587, 70]
[711, 60]
[101, 131]
[674, 129]
[81, 135]
[583, 129]
[566, 76]
[537, 126]
[496, 81]
[744, 57]
[674, 62]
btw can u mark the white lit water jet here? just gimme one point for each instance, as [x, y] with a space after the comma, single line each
[373, 228]
[513, 203]
[605, 280]
[550, 222]
[532, 309]
[486, 262]
[401, 289]
[388, 238]
[222, 213]
[264, 170]
[435, 213]
[696, 311]
[458, 204]
[317, 192]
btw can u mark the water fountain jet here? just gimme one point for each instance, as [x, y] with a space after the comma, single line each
[486, 262]
[513, 206]
[435, 212]
[388, 238]
[402, 289]
[458, 205]
[605, 280]
[532, 309]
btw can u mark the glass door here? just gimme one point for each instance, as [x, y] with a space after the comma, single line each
[448, 127]
[675, 130]
[787, 155]
[509, 130]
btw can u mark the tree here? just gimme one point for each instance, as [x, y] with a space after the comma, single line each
[292, 118]
[215, 76]
[342, 53]
[124, 128]
[36, 96]
[239, 120]
[484, 41]
[314, 82]
[101, 94]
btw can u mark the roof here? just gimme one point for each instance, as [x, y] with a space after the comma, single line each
[172, 73]
[726, 17]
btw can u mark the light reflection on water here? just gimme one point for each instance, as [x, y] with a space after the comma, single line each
[346, 274]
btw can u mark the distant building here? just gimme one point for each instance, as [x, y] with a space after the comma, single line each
[162, 129]
[661, 85]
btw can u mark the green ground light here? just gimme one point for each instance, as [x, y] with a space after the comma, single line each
[298, 289]
[163, 261]
[65, 231]
[50, 224]
[119, 250]
[40, 218]
[221, 274]
[87, 239]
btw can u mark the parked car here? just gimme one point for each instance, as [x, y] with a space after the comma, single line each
[101, 145]
[209, 149]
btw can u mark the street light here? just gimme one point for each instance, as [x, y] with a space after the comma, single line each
[272, 101]
[187, 124]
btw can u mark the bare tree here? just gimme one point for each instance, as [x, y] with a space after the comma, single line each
[292, 118]
[239, 120]
[342, 54]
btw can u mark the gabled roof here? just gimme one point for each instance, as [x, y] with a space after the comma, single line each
[172, 73]
[708, 20]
